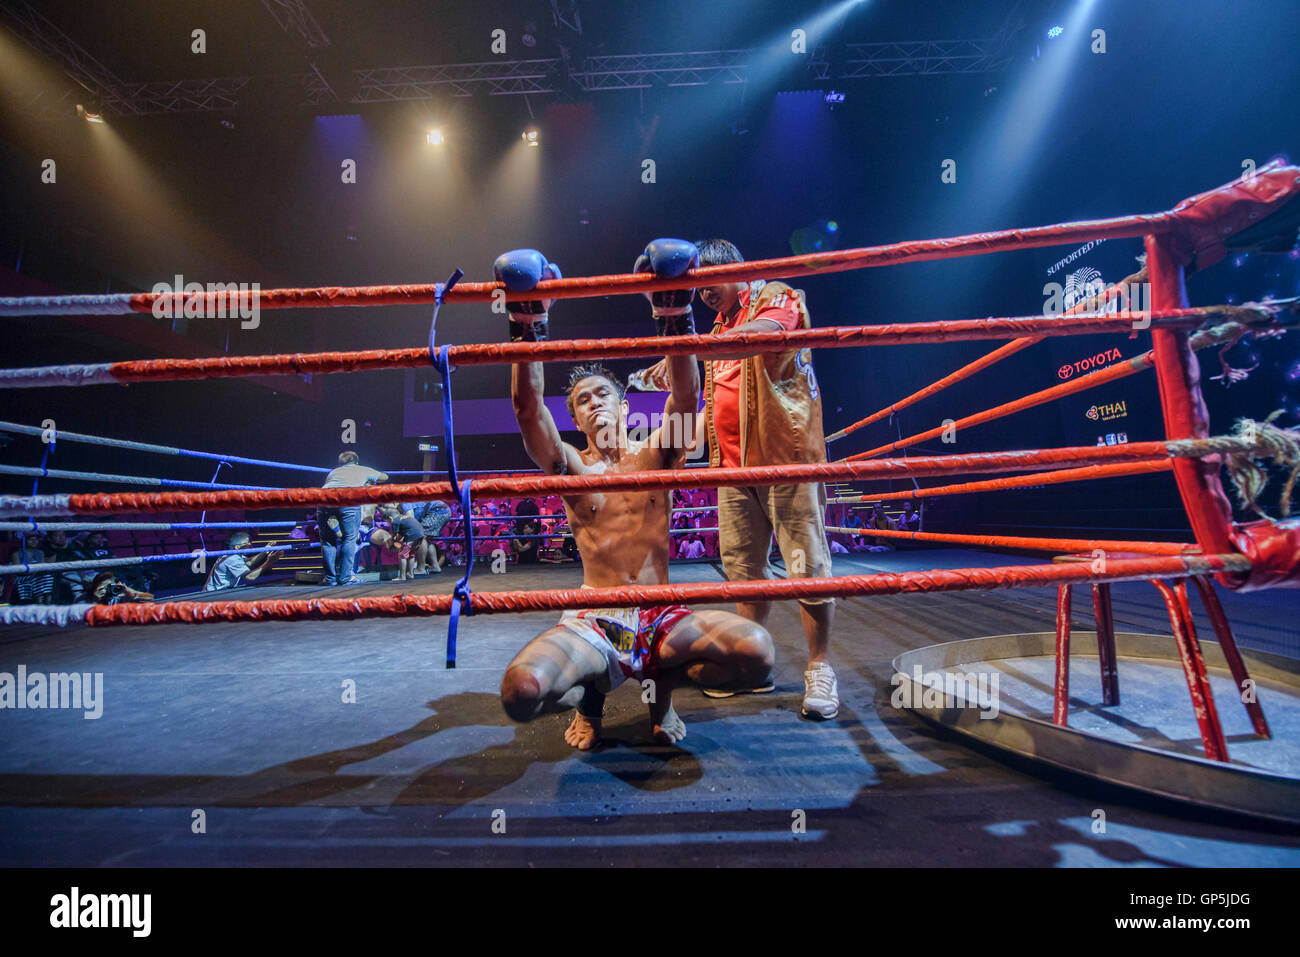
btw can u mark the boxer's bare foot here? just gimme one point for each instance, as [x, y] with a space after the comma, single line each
[666, 728]
[582, 733]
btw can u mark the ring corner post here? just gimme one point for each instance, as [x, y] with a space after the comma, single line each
[1184, 410]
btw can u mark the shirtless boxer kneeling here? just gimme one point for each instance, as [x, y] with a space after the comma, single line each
[622, 537]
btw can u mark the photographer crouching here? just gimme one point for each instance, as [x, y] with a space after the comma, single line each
[108, 589]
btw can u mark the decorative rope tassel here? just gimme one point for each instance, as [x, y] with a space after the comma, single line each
[1247, 320]
[1250, 476]
[1231, 374]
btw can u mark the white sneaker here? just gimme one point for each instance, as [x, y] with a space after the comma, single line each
[821, 697]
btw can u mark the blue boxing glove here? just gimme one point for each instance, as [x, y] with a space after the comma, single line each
[668, 259]
[521, 270]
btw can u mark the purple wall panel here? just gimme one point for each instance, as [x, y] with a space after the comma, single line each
[497, 417]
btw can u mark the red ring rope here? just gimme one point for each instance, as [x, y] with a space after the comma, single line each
[1055, 477]
[488, 603]
[665, 479]
[489, 353]
[1029, 544]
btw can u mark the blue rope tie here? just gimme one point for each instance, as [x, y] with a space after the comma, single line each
[204, 514]
[440, 358]
[461, 594]
[36, 482]
[440, 290]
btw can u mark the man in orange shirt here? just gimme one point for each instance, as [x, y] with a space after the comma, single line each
[765, 409]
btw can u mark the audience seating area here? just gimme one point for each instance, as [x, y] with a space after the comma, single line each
[696, 509]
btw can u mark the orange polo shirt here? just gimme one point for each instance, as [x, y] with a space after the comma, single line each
[727, 375]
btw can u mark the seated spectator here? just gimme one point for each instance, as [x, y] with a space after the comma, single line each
[692, 547]
[878, 518]
[33, 588]
[857, 543]
[107, 589]
[68, 586]
[910, 520]
[93, 546]
[231, 571]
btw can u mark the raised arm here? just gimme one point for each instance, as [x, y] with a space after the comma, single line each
[669, 258]
[261, 564]
[683, 403]
[542, 439]
[521, 270]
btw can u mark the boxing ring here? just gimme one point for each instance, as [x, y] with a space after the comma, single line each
[1260, 213]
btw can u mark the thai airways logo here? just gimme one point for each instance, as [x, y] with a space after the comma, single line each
[1104, 413]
